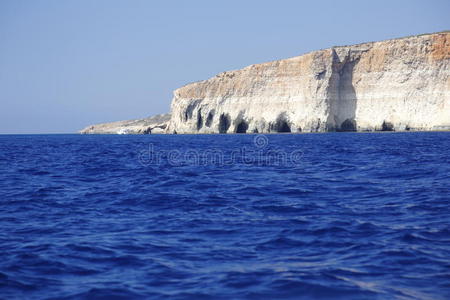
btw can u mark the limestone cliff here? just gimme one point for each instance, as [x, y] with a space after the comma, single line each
[155, 124]
[400, 84]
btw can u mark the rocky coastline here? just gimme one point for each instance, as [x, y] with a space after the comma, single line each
[395, 85]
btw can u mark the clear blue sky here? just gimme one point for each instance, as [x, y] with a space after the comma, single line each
[68, 64]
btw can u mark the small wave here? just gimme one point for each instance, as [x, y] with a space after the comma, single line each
[357, 218]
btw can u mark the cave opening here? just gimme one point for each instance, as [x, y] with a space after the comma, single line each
[283, 127]
[224, 123]
[387, 126]
[348, 125]
[281, 124]
[242, 127]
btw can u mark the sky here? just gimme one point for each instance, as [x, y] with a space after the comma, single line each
[68, 64]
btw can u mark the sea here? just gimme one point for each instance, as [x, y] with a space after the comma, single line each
[232, 216]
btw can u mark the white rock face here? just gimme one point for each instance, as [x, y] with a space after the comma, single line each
[401, 84]
[155, 124]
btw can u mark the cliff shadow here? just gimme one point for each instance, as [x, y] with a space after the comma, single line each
[346, 108]
[210, 118]
[199, 119]
[342, 116]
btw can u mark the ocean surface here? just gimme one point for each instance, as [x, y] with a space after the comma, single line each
[293, 216]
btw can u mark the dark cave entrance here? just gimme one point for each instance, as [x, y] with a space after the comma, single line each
[281, 124]
[242, 127]
[224, 123]
[387, 126]
[348, 125]
[283, 127]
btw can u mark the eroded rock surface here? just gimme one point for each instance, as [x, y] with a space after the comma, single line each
[400, 84]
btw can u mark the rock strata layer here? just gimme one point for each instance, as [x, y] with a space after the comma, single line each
[400, 84]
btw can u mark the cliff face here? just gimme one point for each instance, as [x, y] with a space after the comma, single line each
[400, 84]
[155, 124]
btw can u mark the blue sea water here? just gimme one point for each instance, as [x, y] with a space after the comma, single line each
[301, 216]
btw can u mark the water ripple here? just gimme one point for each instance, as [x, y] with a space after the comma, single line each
[360, 216]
